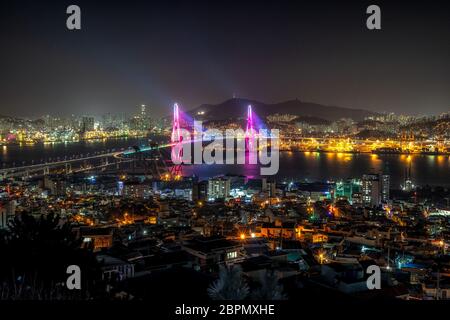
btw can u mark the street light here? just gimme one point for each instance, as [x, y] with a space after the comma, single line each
[321, 258]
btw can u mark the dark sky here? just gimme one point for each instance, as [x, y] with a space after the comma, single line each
[194, 52]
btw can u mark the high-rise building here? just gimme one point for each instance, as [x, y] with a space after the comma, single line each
[375, 189]
[140, 121]
[107, 120]
[356, 199]
[199, 190]
[269, 187]
[218, 188]
[87, 124]
[370, 190]
[385, 186]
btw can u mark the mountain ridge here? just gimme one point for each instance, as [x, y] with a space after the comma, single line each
[237, 108]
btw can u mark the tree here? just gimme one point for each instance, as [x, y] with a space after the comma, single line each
[35, 254]
[270, 289]
[230, 286]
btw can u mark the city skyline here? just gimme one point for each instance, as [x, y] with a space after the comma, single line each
[196, 53]
[136, 111]
[229, 158]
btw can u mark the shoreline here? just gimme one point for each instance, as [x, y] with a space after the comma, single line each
[371, 152]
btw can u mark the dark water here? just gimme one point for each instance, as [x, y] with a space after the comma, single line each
[19, 154]
[425, 169]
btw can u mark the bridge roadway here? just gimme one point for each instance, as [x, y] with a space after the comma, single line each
[25, 170]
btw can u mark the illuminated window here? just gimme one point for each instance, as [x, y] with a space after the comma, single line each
[232, 255]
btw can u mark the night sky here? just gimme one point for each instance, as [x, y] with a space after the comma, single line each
[195, 52]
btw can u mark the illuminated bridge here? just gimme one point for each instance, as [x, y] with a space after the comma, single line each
[76, 164]
[151, 159]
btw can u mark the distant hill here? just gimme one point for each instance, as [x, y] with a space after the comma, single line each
[237, 108]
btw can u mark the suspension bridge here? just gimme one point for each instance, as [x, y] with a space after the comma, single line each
[153, 159]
